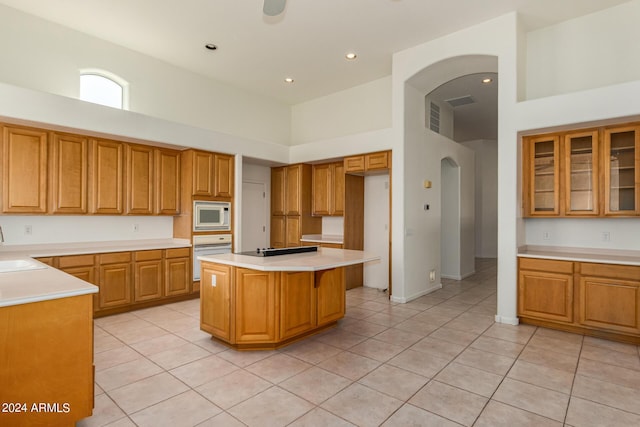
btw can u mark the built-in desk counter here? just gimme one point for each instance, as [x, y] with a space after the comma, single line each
[253, 303]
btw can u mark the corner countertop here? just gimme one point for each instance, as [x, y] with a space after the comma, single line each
[323, 238]
[323, 259]
[47, 283]
[602, 256]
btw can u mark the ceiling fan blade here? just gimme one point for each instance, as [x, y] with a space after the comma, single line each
[273, 7]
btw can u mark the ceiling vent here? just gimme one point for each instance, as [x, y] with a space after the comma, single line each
[460, 101]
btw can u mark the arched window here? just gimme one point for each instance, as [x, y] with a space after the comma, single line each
[101, 87]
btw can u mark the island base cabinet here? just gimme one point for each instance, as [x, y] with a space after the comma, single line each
[255, 296]
[297, 303]
[215, 300]
[47, 359]
[330, 285]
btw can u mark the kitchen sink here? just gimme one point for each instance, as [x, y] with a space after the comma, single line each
[12, 265]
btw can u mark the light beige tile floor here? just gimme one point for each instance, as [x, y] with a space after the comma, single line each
[437, 361]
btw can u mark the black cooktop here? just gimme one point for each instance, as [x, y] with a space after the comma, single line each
[280, 251]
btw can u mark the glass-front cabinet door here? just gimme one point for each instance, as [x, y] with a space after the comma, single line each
[581, 173]
[543, 176]
[621, 172]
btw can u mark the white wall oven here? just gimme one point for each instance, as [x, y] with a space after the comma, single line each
[211, 216]
[212, 244]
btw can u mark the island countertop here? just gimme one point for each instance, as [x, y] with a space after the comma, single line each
[323, 259]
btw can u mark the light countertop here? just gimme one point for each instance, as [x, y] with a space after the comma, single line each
[323, 238]
[47, 283]
[603, 256]
[323, 259]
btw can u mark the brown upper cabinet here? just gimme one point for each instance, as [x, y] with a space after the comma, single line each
[591, 172]
[202, 167]
[278, 191]
[371, 162]
[167, 182]
[328, 189]
[106, 177]
[140, 179]
[24, 170]
[223, 175]
[212, 174]
[68, 180]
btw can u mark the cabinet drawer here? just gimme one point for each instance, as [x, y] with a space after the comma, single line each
[629, 272]
[177, 253]
[115, 257]
[75, 261]
[546, 265]
[148, 255]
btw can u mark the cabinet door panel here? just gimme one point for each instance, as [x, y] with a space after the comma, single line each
[148, 280]
[256, 297]
[24, 170]
[107, 171]
[115, 285]
[167, 182]
[354, 164]
[322, 189]
[140, 180]
[278, 231]
[547, 296]
[581, 174]
[377, 161]
[610, 304]
[293, 181]
[202, 174]
[177, 276]
[621, 170]
[69, 174]
[297, 303]
[338, 190]
[216, 300]
[277, 191]
[331, 294]
[293, 231]
[542, 176]
[223, 175]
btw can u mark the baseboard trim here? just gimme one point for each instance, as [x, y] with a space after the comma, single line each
[404, 300]
[507, 320]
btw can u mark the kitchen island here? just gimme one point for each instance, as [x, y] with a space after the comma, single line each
[259, 303]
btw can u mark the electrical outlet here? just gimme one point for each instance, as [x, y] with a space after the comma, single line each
[432, 276]
[28, 230]
[606, 236]
[546, 235]
[136, 228]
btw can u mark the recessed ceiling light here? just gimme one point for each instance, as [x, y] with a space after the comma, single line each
[487, 80]
[211, 46]
[351, 56]
[288, 80]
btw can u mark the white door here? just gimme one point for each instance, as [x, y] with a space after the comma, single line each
[376, 230]
[254, 216]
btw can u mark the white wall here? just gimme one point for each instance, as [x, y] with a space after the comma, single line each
[47, 57]
[450, 220]
[595, 50]
[362, 108]
[82, 228]
[624, 233]
[446, 117]
[486, 197]
[376, 230]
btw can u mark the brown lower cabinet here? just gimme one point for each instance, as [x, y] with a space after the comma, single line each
[251, 309]
[590, 298]
[131, 280]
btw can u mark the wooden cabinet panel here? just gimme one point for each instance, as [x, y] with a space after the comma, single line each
[293, 231]
[177, 276]
[24, 170]
[544, 295]
[107, 171]
[581, 173]
[203, 174]
[354, 164]
[331, 294]
[216, 299]
[223, 175]
[322, 191]
[167, 182]
[140, 179]
[278, 231]
[69, 174]
[377, 161]
[622, 170]
[148, 275]
[610, 304]
[297, 303]
[293, 189]
[278, 191]
[50, 261]
[114, 279]
[256, 296]
[338, 189]
[542, 175]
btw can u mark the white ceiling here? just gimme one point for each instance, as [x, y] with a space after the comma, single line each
[307, 42]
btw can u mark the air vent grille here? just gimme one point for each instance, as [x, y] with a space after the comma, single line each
[434, 118]
[460, 101]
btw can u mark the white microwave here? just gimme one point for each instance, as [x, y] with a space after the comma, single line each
[211, 216]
